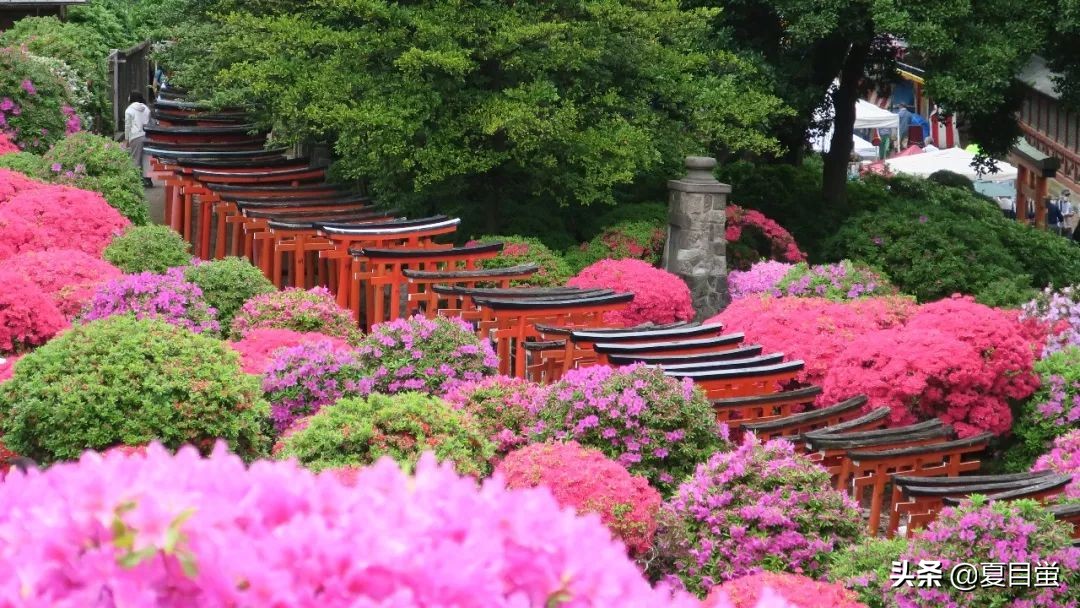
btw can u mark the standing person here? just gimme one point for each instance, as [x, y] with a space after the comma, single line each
[1054, 217]
[904, 115]
[136, 117]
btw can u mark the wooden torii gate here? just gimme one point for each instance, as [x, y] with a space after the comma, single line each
[1033, 169]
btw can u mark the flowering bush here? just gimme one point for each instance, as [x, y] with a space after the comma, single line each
[148, 249]
[28, 317]
[295, 309]
[302, 379]
[632, 239]
[13, 182]
[427, 355]
[7, 367]
[760, 507]
[505, 409]
[125, 381]
[1004, 532]
[752, 237]
[519, 250]
[57, 217]
[227, 284]
[357, 431]
[32, 100]
[761, 278]
[6, 145]
[93, 162]
[653, 425]
[1064, 459]
[1051, 412]
[767, 598]
[189, 531]
[588, 482]
[844, 280]
[259, 345]
[799, 591]
[1059, 313]
[147, 295]
[68, 276]
[814, 330]
[659, 296]
[866, 569]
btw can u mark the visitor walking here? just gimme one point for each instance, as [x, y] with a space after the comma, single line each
[136, 117]
[1054, 217]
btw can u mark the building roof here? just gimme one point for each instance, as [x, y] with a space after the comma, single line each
[1039, 77]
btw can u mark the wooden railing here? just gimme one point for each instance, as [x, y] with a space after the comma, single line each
[1069, 172]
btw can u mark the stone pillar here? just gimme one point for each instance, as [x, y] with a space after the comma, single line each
[696, 248]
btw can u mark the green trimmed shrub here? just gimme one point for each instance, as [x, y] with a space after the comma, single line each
[122, 381]
[952, 180]
[357, 431]
[227, 284]
[865, 568]
[148, 249]
[517, 250]
[1007, 292]
[92, 162]
[27, 163]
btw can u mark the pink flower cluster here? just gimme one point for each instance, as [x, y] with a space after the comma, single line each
[1064, 459]
[147, 295]
[6, 145]
[742, 223]
[68, 276]
[72, 122]
[506, 409]
[588, 482]
[301, 379]
[259, 345]
[1058, 314]
[7, 366]
[798, 592]
[425, 355]
[164, 530]
[761, 278]
[757, 507]
[295, 309]
[28, 317]
[843, 280]
[659, 296]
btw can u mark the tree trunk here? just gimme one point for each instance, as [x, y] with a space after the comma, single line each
[834, 174]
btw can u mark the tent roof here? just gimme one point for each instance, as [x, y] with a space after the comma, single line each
[956, 160]
[869, 116]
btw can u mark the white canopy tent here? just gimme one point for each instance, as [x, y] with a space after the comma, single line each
[956, 160]
[865, 149]
[867, 116]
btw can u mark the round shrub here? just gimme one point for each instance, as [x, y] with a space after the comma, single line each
[634, 239]
[301, 379]
[147, 295]
[1005, 532]
[68, 276]
[759, 507]
[1052, 411]
[518, 250]
[426, 355]
[35, 102]
[297, 310]
[865, 568]
[93, 162]
[659, 296]
[26, 163]
[506, 409]
[148, 249]
[844, 280]
[13, 181]
[1058, 311]
[653, 425]
[761, 278]
[227, 284]
[358, 431]
[797, 592]
[123, 381]
[28, 317]
[752, 237]
[212, 532]
[1064, 459]
[47, 218]
[815, 330]
[588, 482]
[259, 345]
[952, 179]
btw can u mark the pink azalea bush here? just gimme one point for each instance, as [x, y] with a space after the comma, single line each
[163, 530]
[259, 345]
[68, 276]
[28, 317]
[798, 590]
[1005, 532]
[659, 296]
[761, 278]
[426, 355]
[767, 598]
[759, 507]
[844, 280]
[1051, 412]
[57, 217]
[588, 482]
[1064, 459]
[751, 237]
[295, 309]
[7, 366]
[301, 379]
[506, 409]
[6, 145]
[13, 182]
[653, 425]
[148, 295]
[1058, 312]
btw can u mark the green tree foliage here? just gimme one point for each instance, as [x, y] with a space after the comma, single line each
[461, 106]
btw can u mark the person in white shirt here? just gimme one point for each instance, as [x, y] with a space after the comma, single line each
[136, 117]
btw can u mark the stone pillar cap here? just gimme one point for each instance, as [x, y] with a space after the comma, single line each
[699, 177]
